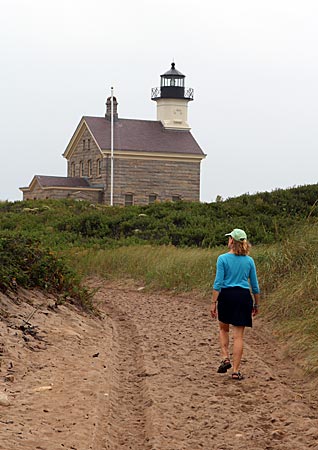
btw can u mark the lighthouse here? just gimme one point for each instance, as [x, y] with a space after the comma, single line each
[117, 161]
[172, 98]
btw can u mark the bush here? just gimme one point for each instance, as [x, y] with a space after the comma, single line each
[266, 217]
[23, 262]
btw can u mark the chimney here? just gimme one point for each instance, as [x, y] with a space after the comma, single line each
[108, 109]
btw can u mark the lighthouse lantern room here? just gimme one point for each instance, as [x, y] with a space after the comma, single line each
[172, 100]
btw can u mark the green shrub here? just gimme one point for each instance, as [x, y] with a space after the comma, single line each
[23, 262]
[266, 217]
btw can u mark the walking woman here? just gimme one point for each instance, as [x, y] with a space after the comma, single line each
[232, 300]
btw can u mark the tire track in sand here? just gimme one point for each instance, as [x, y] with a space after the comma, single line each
[128, 417]
[185, 404]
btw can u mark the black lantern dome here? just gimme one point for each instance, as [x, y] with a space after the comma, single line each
[172, 86]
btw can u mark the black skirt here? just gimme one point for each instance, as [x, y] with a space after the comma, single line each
[235, 306]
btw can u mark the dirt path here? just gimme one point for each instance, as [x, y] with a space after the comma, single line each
[143, 377]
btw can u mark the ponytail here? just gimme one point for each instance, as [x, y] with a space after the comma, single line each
[241, 248]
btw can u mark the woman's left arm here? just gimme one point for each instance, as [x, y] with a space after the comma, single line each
[254, 279]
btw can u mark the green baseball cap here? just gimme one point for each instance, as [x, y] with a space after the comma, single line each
[237, 234]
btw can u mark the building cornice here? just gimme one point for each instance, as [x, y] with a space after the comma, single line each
[122, 154]
[62, 188]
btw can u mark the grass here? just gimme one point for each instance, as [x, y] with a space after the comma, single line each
[291, 304]
[288, 275]
[164, 267]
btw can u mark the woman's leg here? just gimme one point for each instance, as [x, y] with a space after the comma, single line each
[238, 333]
[224, 339]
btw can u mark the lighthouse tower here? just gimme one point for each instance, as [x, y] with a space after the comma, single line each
[172, 100]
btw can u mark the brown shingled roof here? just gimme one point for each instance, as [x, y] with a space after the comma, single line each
[68, 182]
[47, 182]
[142, 135]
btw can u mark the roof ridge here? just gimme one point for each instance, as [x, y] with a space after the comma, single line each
[51, 176]
[120, 119]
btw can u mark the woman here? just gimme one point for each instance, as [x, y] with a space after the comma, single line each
[232, 301]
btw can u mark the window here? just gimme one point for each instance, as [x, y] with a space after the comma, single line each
[89, 165]
[81, 164]
[84, 144]
[88, 144]
[129, 199]
[99, 167]
[72, 169]
[152, 198]
[176, 198]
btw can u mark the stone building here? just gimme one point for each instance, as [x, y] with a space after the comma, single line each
[119, 161]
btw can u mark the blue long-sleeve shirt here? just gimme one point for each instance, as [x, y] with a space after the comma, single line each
[236, 271]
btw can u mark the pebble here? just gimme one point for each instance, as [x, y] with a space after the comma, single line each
[9, 378]
[42, 388]
[4, 399]
[277, 434]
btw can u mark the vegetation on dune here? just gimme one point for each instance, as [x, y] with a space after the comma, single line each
[289, 274]
[265, 216]
[173, 246]
[23, 262]
[157, 267]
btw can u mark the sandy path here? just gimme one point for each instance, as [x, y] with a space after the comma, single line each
[143, 377]
[191, 406]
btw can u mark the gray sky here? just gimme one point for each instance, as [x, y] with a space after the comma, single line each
[253, 66]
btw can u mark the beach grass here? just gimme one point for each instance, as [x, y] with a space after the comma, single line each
[288, 275]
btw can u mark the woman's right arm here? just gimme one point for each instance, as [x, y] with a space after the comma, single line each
[217, 285]
[215, 295]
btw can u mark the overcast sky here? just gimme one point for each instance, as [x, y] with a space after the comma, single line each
[253, 66]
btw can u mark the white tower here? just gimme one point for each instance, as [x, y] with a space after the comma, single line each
[172, 100]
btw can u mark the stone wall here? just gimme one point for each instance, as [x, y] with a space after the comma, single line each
[41, 194]
[147, 177]
[85, 154]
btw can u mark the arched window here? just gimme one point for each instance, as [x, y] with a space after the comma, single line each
[72, 169]
[99, 167]
[89, 165]
[81, 165]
